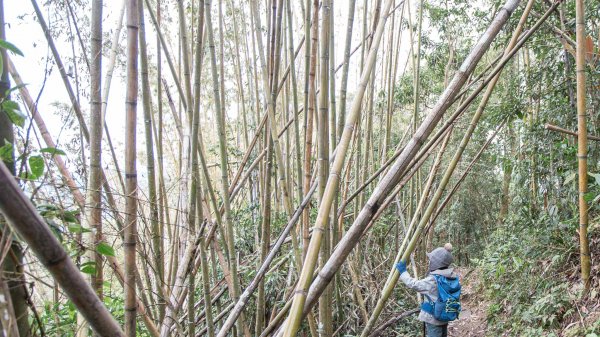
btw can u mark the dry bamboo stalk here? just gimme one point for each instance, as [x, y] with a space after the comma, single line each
[346, 63]
[24, 219]
[296, 111]
[150, 161]
[310, 100]
[154, 212]
[551, 127]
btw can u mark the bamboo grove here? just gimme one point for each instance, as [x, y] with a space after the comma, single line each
[257, 168]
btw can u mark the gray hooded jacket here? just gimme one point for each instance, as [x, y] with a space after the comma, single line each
[428, 286]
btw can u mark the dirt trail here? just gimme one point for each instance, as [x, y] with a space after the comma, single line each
[473, 319]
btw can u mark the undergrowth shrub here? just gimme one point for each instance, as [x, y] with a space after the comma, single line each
[523, 269]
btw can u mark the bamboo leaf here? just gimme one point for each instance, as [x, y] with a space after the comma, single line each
[596, 177]
[105, 249]
[569, 178]
[11, 47]
[36, 165]
[77, 229]
[88, 268]
[53, 151]
[16, 87]
[11, 108]
[6, 153]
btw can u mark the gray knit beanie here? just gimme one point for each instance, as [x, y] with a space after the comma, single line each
[440, 258]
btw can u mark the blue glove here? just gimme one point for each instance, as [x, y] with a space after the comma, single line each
[401, 267]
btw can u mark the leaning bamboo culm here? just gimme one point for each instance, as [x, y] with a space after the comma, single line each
[584, 245]
[388, 183]
[24, 219]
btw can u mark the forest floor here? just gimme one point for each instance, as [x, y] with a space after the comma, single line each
[473, 318]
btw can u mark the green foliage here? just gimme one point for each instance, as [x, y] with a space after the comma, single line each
[52, 151]
[523, 269]
[13, 111]
[60, 318]
[88, 268]
[36, 165]
[105, 249]
[9, 47]
[6, 152]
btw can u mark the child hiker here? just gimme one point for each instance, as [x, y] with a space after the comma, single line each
[440, 288]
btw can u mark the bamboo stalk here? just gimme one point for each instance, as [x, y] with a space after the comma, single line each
[326, 302]
[582, 146]
[94, 191]
[130, 231]
[147, 107]
[551, 127]
[345, 67]
[220, 115]
[296, 111]
[265, 235]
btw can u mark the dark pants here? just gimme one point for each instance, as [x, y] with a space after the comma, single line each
[436, 330]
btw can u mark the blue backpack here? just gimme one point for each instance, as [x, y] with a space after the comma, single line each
[447, 306]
